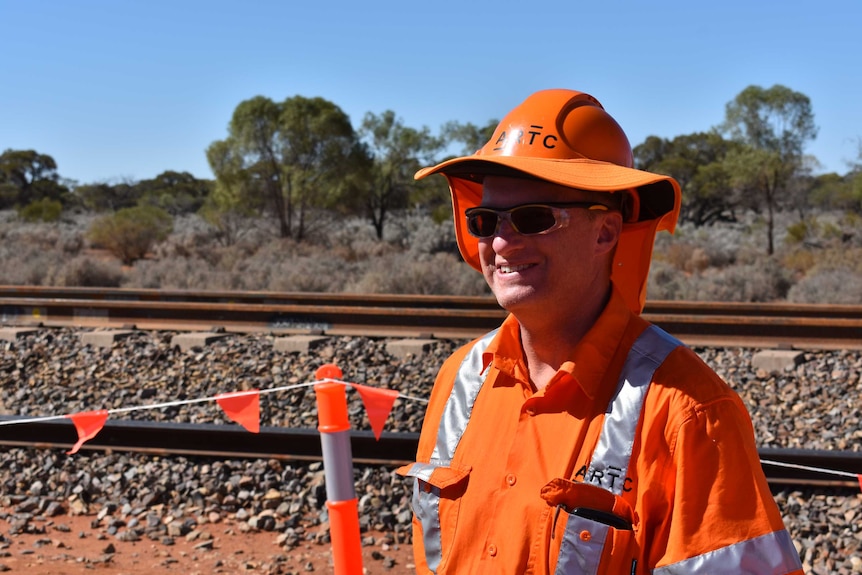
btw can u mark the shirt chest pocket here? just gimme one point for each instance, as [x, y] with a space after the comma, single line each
[437, 491]
[590, 530]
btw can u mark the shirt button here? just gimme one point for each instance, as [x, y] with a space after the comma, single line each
[492, 550]
[586, 536]
[511, 479]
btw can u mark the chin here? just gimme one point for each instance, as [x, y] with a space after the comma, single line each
[511, 300]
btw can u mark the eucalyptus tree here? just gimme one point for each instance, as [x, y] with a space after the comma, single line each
[27, 176]
[774, 124]
[396, 153]
[471, 136]
[320, 153]
[287, 157]
[175, 192]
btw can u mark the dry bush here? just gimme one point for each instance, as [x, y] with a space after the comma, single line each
[844, 286]
[693, 249]
[85, 271]
[178, 273]
[311, 274]
[26, 264]
[408, 273]
[722, 262]
[762, 281]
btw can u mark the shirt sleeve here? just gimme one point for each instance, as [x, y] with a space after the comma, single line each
[723, 517]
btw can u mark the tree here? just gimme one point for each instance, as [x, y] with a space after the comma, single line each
[471, 137]
[775, 124]
[105, 197]
[27, 176]
[175, 192]
[320, 151]
[288, 157]
[397, 152]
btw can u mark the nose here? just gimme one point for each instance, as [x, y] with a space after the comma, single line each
[505, 237]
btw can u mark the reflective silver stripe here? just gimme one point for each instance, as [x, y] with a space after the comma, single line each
[579, 556]
[426, 506]
[610, 460]
[770, 554]
[339, 471]
[453, 422]
[421, 470]
[612, 455]
[456, 413]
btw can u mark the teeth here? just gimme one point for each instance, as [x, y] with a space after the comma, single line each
[512, 269]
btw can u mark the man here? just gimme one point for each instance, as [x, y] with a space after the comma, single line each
[578, 438]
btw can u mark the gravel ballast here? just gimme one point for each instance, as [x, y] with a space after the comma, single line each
[812, 405]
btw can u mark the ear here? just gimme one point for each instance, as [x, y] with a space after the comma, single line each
[610, 226]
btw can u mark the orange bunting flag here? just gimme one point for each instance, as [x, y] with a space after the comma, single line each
[859, 477]
[242, 407]
[88, 424]
[378, 404]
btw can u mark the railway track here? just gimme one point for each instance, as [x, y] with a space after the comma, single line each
[775, 325]
[696, 323]
[798, 467]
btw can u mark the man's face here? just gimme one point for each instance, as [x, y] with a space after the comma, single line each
[555, 273]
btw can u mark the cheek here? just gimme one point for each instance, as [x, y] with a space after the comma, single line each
[486, 253]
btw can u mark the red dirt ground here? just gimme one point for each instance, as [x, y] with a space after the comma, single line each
[64, 552]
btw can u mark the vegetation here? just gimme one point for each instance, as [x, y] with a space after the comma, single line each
[303, 201]
[130, 233]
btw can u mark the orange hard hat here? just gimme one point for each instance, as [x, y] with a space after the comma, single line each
[566, 137]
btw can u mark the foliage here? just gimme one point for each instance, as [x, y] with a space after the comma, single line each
[774, 124]
[300, 163]
[471, 137]
[104, 197]
[288, 158]
[44, 210]
[397, 152]
[175, 192]
[131, 232]
[27, 176]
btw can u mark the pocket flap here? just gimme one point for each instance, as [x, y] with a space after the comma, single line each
[572, 494]
[440, 476]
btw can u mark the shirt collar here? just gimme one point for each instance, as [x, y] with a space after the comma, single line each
[589, 360]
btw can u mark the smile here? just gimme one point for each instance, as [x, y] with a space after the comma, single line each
[504, 269]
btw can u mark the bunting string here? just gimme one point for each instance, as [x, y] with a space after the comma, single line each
[809, 468]
[243, 407]
[191, 401]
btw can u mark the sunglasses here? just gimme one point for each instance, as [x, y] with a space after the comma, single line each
[526, 219]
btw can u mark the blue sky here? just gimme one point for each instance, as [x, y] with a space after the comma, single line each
[124, 90]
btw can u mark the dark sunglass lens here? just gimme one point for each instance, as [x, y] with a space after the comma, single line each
[533, 219]
[482, 224]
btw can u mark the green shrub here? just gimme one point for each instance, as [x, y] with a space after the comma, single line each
[131, 232]
[44, 210]
[796, 233]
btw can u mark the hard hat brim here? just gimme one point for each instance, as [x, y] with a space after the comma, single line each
[581, 173]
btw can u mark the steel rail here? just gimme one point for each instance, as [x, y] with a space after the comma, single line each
[302, 444]
[657, 307]
[696, 323]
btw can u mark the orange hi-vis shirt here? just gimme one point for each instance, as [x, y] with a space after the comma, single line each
[516, 492]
